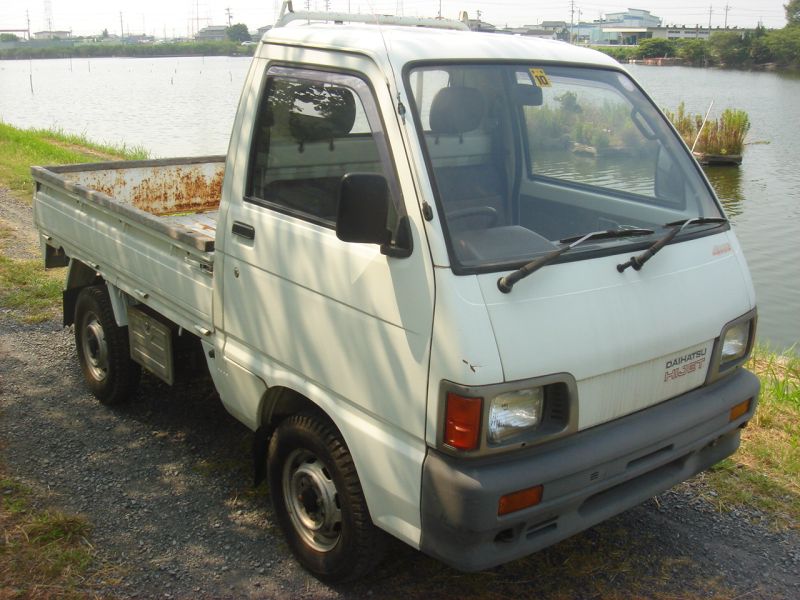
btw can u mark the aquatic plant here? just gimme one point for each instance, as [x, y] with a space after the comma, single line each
[724, 136]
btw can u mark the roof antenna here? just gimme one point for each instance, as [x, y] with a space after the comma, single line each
[401, 109]
[699, 131]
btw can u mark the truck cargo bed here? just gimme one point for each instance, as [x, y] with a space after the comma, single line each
[147, 227]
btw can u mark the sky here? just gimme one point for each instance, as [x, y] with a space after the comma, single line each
[171, 18]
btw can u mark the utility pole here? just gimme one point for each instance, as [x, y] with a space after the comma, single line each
[710, 10]
[28, 18]
[571, 18]
[440, 10]
[230, 15]
[727, 8]
[121, 29]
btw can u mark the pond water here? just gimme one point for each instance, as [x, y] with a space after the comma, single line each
[186, 106]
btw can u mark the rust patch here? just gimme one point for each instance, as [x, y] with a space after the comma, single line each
[183, 190]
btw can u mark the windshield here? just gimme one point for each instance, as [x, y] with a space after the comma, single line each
[523, 156]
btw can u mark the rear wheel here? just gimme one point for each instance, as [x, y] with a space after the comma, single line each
[318, 500]
[103, 349]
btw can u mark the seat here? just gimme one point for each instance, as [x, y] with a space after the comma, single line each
[467, 176]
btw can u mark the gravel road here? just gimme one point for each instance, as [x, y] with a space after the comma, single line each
[165, 482]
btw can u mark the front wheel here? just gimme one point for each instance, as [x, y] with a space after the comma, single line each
[318, 500]
[103, 349]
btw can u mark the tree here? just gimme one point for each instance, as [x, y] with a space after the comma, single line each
[655, 48]
[105, 33]
[238, 33]
[729, 48]
[8, 37]
[692, 51]
[792, 12]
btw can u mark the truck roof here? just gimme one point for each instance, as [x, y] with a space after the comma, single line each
[407, 44]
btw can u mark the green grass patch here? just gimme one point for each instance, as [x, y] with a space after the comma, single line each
[29, 292]
[26, 289]
[765, 473]
[21, 148]
[43, 553]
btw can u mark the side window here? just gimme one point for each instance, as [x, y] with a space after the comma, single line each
[309, 133]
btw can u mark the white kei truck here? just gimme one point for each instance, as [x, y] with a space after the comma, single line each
[468, 289]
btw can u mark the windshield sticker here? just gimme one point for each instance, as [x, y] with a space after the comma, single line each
[540, 78]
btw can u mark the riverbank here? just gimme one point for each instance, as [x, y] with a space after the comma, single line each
[776, 49]
[183, 450]
[167, 49]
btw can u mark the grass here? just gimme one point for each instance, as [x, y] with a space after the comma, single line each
[765, 473]
[27, 291]
[722, 136]
[43, 553]
[21, 148]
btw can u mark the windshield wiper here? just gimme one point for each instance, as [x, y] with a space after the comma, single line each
[505, 284]
[637, 262]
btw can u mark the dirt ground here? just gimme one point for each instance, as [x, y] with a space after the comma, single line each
[166, 484]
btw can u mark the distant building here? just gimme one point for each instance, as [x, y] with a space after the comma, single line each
[682, 32]
[556, 26]
[52, 35]
[532, 31]
[139, 39]
[212, 33]
[478, 25]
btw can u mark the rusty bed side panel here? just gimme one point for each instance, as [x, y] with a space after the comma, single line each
[169, 195]
[159, 190]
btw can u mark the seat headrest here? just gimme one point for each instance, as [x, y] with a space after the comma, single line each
[456, 110]
[336, 108]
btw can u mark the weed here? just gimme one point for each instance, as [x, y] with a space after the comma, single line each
[44, 553]
[29, 292]
[21, 148]
[765, 473]
[723, 136]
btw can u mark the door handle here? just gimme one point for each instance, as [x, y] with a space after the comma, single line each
[243, 230]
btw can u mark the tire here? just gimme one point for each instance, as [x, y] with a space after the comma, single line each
[318, 500]
[103, 349]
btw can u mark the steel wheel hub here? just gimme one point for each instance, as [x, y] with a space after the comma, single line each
[312, 500]
[95, 348]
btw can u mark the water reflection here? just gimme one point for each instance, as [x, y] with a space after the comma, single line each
[727, 182]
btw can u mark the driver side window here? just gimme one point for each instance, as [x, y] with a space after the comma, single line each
[308, 134]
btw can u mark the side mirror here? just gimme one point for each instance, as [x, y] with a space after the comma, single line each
[363, 209]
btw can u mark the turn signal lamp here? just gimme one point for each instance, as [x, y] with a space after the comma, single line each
[518, 500]
[462, 421]
[739, 410]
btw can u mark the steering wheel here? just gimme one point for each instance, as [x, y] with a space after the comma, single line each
[486, 212]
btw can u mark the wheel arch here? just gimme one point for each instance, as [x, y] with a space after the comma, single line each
[277, 404]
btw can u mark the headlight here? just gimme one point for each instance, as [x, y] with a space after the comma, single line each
[512, 413]
[734, 344]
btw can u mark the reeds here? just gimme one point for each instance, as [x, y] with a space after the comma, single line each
[723, 136]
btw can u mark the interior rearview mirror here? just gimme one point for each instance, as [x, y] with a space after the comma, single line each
[528, 95]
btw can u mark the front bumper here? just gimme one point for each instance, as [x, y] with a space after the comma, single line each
[587, 477]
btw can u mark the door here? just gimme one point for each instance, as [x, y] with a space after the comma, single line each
[344, 324]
